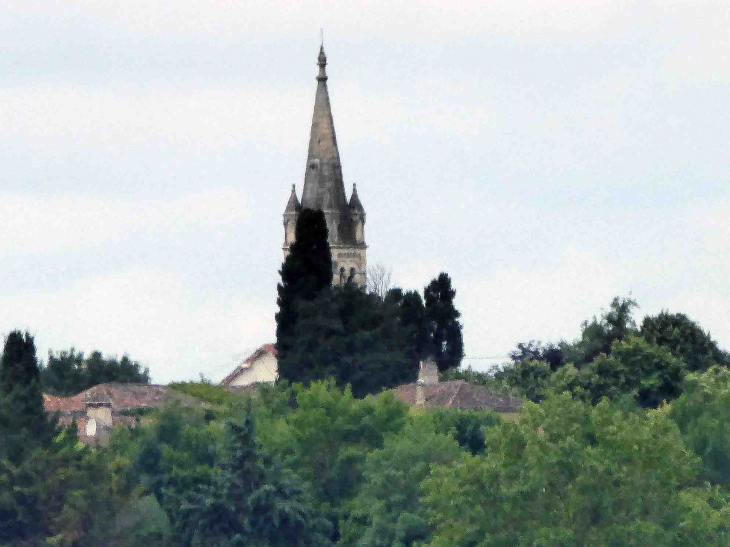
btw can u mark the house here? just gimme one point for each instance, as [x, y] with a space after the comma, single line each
[260, 366]
[428, 393]
[102, 407]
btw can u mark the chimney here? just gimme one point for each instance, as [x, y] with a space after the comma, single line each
[99, 407]
[420, 396]
[428, 372]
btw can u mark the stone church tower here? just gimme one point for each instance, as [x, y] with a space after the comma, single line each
[324, 190]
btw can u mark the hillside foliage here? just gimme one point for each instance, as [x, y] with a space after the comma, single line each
[623, 446]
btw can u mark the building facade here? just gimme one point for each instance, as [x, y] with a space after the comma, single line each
[260, 366]
[324, 190]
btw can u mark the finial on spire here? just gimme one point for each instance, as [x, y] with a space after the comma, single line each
[322, 62]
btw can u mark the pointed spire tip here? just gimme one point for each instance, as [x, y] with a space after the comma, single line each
[322, 62]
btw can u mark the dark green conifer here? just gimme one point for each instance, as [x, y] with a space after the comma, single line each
[306, 272]
[23, 420]
[18, 365]
[447, 343]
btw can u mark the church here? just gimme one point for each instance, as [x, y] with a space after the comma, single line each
[324, 190]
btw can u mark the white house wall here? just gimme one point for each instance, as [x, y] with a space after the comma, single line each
[263, 368]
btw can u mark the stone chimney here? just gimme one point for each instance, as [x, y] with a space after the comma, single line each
[99, 408]
[420, 396]
[428, 374]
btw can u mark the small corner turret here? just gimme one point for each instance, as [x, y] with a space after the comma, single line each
[291, 214]
[357, 217]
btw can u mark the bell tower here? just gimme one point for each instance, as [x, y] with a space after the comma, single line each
[324, 190]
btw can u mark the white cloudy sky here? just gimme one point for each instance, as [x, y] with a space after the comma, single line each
[548, 155]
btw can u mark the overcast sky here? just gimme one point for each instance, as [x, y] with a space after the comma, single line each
[547, 155]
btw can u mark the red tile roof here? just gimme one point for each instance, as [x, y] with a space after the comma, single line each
[460, 394]
[119, 396]
[266, 348]
[63, 404]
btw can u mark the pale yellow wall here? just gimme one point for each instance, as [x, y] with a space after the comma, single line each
[289, 231]
[102, 414]
[262, 369]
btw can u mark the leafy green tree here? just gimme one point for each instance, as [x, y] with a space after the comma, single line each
[70, 372]
[177, 454]
[55, 494]
[467, 427]
[305, 273]
[703, 414]
[253, 501]
[571, 474]
[326, 439]
[685, 339]
[649, 374]
[598, 335]
[552, 354]
[447, 342]
[531, 379]
[141, 523]
[388, 510]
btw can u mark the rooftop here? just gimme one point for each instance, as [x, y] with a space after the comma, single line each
[119, 396]
[460, 394]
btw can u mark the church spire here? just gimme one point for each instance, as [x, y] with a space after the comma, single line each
[324, 190]
[323, 185]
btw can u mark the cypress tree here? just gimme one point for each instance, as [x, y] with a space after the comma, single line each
[447, 342]
[18, 366]
[413, 318]
[306, 272]
[23, 420]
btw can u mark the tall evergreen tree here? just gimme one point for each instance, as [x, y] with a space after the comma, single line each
[447, 342]
[23, 420]
[19, 365]
[306, 272]
[411, 315]
[352, 337]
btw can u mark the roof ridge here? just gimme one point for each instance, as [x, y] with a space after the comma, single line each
[458, 389]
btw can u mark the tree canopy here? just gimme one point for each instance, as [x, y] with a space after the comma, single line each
[447, 342]
[685, 339]
[614, 359]
[369, 340]
[71, 372]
